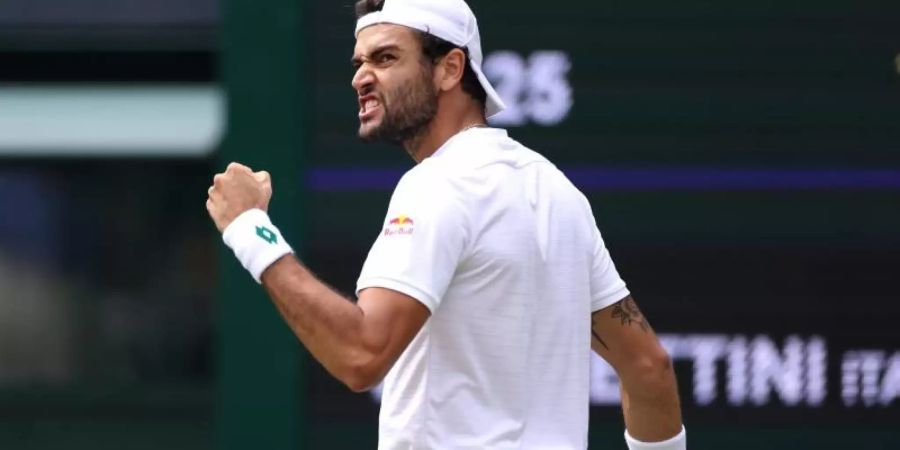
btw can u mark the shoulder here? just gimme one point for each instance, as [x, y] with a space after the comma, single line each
[423, 180]
[428, 190]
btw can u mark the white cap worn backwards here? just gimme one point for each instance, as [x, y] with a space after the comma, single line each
[450, 20]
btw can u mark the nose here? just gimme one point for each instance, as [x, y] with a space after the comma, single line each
[363, 79]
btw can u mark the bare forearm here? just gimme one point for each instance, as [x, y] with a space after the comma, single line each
[651, 408]
[327, 324]
[356, 342]
[623, 337]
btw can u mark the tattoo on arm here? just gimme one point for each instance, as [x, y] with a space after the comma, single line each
[627, 311]
[597, 337]
[595, 325]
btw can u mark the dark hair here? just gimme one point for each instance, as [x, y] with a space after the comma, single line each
[433, 49]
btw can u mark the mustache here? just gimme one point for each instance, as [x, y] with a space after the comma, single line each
[378, 95]
[368, 90]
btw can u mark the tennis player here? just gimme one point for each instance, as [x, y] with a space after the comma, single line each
[488, 284]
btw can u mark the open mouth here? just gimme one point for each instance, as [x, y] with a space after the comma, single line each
[368, 107]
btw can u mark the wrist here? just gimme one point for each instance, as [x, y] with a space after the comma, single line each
[256, 242]
[679, 442]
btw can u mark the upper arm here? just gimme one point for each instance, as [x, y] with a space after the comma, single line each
[424, 238]
[409, 267]
[607, 287]
[391, 320]
[621, 335]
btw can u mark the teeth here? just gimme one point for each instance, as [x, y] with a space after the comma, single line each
[371, 104]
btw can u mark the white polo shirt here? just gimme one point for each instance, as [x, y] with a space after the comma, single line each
[505, 252]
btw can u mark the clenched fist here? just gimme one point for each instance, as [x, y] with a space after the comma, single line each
[236, 190]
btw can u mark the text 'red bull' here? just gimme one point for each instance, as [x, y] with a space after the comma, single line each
[399, 225]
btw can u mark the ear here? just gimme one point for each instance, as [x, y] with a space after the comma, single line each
[451, 69]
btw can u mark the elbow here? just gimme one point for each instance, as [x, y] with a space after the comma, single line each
[360, 383]
[363, 376]
[650, 373]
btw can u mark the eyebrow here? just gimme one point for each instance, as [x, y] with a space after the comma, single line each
[357, 59]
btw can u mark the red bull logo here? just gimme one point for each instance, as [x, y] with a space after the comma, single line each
[402, 220]
[399, 225]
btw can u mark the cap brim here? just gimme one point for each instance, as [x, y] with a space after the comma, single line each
[493, 104]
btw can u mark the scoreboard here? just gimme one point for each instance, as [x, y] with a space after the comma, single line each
[744, 83]
[741, 159]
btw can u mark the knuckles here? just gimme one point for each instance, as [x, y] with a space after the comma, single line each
[240, 177]
[237, 188]
[263, 177]
[236, 167]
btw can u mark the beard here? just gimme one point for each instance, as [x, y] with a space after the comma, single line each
[408, 111]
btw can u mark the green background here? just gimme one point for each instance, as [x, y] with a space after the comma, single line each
[741, 84]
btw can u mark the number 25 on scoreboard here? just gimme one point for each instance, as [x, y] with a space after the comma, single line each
[535, 89]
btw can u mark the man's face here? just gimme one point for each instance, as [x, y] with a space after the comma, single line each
[397, 97]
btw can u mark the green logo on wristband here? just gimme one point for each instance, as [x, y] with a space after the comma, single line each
[267, 235]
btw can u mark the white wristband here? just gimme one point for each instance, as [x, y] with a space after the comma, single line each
[679, 442]
[255, 241]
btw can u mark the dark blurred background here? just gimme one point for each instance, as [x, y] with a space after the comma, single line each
[742, 159]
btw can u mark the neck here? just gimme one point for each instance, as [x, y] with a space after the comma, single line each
[440, 130]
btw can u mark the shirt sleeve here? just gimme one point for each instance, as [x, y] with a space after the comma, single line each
[423, 240]
[607, 287]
